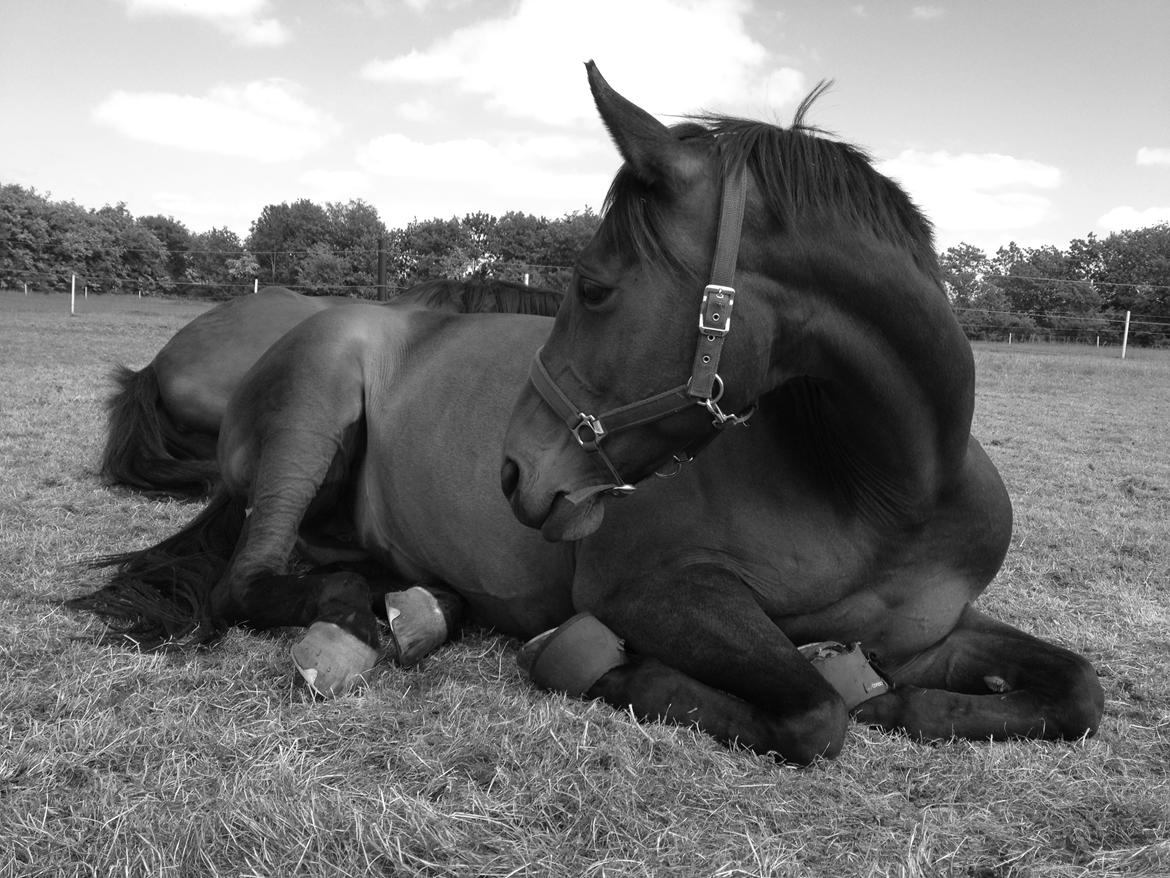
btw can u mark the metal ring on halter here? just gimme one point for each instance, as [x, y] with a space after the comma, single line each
[678, 460]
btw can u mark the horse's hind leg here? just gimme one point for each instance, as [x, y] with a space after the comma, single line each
[343, 641]
[987, 680]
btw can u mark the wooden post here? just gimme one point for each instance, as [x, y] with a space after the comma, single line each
[72, 294]
[526, 278]
[1125, 336]
[255, 285]
[382, 270]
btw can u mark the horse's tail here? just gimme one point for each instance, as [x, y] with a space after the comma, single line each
[162, 594]
[145, 449]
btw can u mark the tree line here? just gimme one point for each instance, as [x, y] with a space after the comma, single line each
[1077, 293]
[332, 248]
[1081, 293]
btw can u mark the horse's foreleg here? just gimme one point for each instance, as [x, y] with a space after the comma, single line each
[706, 653]
[989, 680]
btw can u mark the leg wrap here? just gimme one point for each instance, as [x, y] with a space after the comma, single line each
[573, 657]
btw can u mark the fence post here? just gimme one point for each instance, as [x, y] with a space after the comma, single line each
[381, 269]
[72, 294]
[255, 285]
[1125, 336]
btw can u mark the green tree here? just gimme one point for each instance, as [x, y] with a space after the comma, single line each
[965, 268]
[282, 234]
[433, 249]
[214, 262]
[175, 237]
[25, 234]
[322, 270]
[1044, 283]
[355, 230]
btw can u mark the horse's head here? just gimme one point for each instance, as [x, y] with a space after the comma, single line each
[626, 373]
[720, 243]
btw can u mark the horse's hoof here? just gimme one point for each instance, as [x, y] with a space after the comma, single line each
[573, 657]
[417, 624]
[331, 660]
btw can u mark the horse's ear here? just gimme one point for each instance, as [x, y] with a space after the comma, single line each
[652, 152]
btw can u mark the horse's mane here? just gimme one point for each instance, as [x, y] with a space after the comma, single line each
[799, 169]
[477, 296]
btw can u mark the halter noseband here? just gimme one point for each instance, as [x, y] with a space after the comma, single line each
[704, 387]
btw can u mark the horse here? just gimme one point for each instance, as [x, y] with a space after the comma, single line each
[163, 420]
[855, 507]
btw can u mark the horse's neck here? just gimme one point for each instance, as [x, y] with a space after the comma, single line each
[880, 384]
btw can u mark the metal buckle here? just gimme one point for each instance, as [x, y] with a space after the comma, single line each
[715, 311]
[594, 426]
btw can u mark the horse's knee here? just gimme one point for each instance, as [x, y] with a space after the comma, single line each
[817, 732]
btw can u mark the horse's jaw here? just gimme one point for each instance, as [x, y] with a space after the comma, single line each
[568, 521]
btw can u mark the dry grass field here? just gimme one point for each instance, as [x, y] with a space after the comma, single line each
[218, 763]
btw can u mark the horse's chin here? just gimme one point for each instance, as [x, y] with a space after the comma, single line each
[568, 522]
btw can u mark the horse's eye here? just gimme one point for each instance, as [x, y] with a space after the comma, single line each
[591, 292]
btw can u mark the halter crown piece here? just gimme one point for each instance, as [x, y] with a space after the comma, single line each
[704, 387]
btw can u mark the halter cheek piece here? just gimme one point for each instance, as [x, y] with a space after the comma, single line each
[704, 387]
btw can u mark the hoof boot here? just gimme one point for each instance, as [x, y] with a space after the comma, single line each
[331, 660]
[418, 625]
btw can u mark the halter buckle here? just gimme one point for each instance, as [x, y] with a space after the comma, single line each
[715, 310]
[593, 425]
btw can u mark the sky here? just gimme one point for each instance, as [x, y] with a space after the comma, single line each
[1034, 121]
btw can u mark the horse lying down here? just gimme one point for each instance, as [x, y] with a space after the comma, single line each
[853, 507]
[163, 419]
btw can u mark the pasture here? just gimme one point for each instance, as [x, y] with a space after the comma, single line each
[218, 762]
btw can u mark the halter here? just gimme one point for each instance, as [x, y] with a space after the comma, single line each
[704, 387]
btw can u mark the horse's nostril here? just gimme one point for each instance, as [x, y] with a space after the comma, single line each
[509, 476]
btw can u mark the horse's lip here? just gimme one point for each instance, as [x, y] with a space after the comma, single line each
[567, 522]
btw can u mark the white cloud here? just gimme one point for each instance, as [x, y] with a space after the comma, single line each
[264, 120]
[419, 110]
[926, 13]
[528, 64]
[475, 160]
[975, 191]
[335, 185]
[243, 20]
[1126, 217]
[537, 175]
[1148, 155]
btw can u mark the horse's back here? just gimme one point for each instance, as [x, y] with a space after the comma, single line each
[195, 387]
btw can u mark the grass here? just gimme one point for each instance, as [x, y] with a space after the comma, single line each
[113, 762]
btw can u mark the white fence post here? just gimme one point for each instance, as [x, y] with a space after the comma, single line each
[1125, 335]
[255, 285]
[72, 294]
